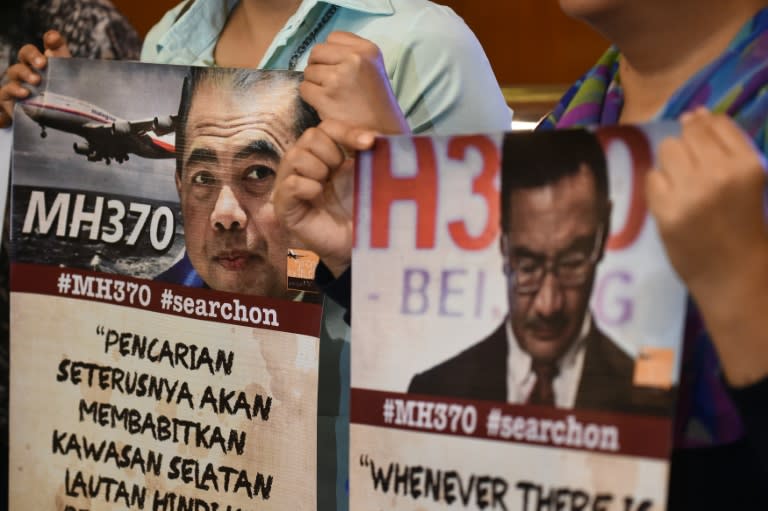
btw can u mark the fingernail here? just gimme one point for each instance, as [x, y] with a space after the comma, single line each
[365, 139]
[39, 62]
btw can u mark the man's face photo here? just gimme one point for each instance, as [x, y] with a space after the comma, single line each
[552, 245]
[233, 143]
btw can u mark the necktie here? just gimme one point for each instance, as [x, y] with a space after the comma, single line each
[543, 393]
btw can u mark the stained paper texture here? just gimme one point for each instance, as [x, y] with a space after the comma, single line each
[159, 358]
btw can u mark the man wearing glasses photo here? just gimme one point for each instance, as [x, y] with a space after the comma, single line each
[549, 350]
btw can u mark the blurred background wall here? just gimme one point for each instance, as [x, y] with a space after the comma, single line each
[535, 50]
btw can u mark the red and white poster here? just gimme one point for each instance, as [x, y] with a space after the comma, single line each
[517, 327]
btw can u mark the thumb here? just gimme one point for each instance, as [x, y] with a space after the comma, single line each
[657, 190]
[348, 137]
[55, 44]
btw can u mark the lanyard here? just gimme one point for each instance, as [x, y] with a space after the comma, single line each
[310, 39]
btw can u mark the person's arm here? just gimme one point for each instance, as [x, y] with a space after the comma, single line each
[312, 196]
[28, 72]
[708, 197]
[751, 402]
[443, 80]
[339, 288]
[437, 80]
[93, 30]
[71, 35]
[345, 81]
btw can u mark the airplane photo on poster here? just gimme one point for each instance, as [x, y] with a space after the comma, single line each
[107, 137]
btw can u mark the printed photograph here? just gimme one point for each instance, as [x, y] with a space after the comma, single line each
[550, 348]
[151, 311]
[517, 325]
[173, 168]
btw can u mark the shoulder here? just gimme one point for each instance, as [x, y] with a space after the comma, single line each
[431, 18]
[162, 27]
[438, 69]
[92, 28]
[436, 34]
[423, 27]
[181, 272]
[480, 353]
[604, 351]
[72, 10]
[606, 363]
[607, 366]
[171, 16]
[479, 358]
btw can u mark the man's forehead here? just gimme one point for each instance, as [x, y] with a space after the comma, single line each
[573, 191]
[568, 204]
[264, 97]
[241, 120]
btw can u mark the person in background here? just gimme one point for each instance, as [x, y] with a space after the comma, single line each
[701, 62]
[707, 196]
[391, 66]
[93, 29]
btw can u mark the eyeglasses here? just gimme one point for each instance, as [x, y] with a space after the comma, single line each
[571, 269]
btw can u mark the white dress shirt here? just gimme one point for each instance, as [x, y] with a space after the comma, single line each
[521, 378]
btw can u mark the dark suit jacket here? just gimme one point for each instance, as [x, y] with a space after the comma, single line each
[480, 372]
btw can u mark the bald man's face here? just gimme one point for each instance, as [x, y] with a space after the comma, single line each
[234, 144]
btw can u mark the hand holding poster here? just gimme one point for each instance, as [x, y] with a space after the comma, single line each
[521, 350]
[160, 358]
